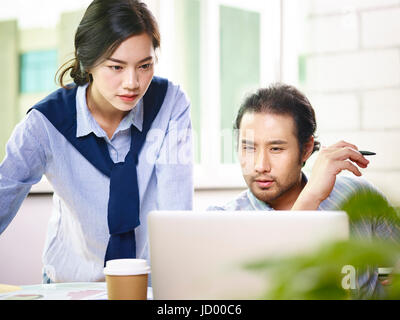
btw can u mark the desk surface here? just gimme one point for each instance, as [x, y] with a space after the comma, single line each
[62, 291]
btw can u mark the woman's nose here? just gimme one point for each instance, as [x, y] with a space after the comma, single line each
[131, 80]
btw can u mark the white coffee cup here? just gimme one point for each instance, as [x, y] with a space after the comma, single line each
[127, 279]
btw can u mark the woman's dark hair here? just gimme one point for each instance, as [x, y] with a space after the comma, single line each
[282, 99]
[104, 26]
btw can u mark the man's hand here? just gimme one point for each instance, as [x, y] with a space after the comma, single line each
[329, 163]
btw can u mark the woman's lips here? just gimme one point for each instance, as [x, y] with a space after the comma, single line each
[128, 98]
[264, 183]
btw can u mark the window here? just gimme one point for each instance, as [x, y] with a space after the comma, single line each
[37, 70]
[239, 68]
[221, 51]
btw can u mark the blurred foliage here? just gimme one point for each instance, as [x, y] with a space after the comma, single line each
[326, 273]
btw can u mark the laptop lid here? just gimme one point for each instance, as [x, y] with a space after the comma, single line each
[200, 255]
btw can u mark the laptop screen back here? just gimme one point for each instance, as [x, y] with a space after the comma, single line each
[200, 255]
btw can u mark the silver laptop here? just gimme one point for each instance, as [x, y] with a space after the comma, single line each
[200, 255]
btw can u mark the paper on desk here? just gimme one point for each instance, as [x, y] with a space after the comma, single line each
[59, 291]
[62, 291]
[5, 288]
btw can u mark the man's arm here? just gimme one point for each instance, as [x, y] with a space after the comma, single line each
[330, 162]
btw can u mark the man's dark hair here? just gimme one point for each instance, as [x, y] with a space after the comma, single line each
[282, 99]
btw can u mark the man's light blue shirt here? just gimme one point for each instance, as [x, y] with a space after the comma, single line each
[78, 232]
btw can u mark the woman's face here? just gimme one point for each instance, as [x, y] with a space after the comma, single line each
[121, 80]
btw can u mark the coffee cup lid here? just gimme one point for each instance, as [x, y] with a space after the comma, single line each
[126, 267]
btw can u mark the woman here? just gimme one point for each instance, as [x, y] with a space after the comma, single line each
[115, 145]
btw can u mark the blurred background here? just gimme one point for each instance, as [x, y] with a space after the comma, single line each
[343, 54]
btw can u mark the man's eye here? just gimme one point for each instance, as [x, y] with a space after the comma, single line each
[276, 149]
[249, 148]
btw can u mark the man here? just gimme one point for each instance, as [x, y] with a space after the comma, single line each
[276, 136]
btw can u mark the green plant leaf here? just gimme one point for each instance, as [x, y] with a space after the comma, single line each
[320, 275]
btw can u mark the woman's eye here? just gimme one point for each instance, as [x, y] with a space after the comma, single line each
[146, 66]
[116, 68]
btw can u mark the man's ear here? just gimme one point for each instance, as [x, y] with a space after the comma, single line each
[308, 149]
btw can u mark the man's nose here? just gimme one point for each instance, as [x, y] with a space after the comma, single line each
[262, 163]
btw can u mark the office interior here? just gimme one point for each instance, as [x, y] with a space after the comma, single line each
[344, 55]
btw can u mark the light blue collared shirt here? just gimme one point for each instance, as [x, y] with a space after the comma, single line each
[78, 232]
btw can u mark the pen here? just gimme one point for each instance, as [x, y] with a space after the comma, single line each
[367, 153]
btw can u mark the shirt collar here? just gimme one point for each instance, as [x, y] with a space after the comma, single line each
[257, 204]
[86, 124]
[261, 205]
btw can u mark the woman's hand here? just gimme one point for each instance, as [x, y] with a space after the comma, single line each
[329, 163]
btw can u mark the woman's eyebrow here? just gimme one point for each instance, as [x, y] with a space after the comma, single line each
[124, 62]
[117, 60]
[145, 59]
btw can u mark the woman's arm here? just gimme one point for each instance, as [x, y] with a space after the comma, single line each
[174, 166]
[22, 167]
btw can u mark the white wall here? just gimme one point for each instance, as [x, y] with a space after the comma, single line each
[351, 54]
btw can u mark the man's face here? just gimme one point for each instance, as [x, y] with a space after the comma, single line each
[269, 155]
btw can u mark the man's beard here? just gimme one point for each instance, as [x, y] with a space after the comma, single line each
[278, 191]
